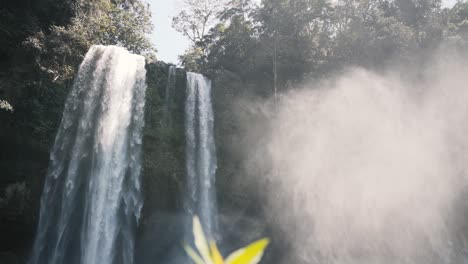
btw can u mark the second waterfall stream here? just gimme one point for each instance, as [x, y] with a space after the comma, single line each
[200, 152]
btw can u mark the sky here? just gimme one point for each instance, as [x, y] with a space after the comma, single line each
[168, 41]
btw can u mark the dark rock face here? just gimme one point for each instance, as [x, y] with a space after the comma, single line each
[163, 142]
[24, 157]
[160, 230]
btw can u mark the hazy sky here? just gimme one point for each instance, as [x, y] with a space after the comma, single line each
[171, 43]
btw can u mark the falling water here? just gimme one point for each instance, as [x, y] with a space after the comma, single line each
[200, 152]
[91, 199]
[171, 80]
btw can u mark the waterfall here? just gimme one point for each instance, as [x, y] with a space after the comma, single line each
[91, 199]
[170, 86]
[200, 152]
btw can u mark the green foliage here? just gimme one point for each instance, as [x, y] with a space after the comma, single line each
[163, 141]
[457, 24]
[366, 35]
[232, 42]
[193, 59]
[197, 17]
[194, 21]
[119, 22]
[288, 41]
[58, 53]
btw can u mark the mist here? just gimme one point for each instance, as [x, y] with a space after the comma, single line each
[366, 167]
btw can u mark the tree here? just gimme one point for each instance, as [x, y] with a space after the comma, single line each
[58, 52]
[233, 47]
[283, 42]
[197, 17]
[367, 33]
[192, 59]
[295, 34]
[457, 23]
[232, 42]
[195, 20]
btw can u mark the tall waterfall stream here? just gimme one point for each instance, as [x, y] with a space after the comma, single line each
[91, 199]
[200, 152]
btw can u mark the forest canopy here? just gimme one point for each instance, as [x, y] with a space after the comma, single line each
[287, 41]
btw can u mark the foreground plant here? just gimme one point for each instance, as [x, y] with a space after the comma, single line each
[208, 253]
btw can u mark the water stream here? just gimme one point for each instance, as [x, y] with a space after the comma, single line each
[200, 152]
[91, 199]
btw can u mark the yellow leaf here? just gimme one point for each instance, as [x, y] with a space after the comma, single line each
[250, 254]
[215, 254]
[200, 241]
[193, 255]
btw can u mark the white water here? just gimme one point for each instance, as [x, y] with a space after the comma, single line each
[200, 152]
[91, 200]
[168, 97]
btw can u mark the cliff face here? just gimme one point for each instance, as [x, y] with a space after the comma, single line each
[26, 136]
[163, 141]
[163, 165]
